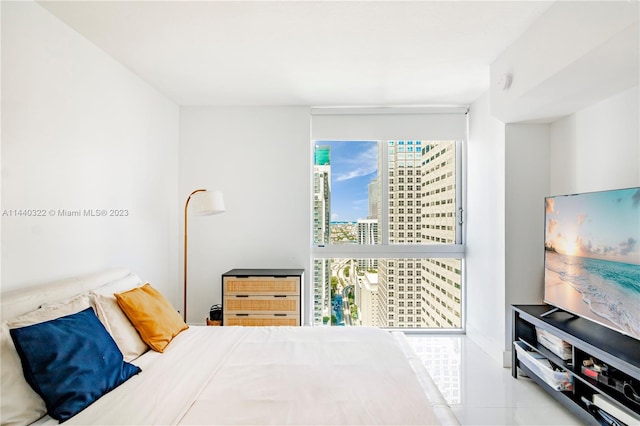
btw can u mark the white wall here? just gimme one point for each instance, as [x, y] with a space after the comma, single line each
[80, 131]
[526, 185]
[597, 148]
[510, 170]
[260, 157]
[485, 217]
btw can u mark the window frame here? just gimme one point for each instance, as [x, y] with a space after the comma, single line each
[385, 250]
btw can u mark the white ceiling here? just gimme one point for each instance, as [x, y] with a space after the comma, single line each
[319, 53]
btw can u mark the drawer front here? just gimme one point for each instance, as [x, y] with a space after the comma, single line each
[262, 320]
[262, 285]
[262, 304]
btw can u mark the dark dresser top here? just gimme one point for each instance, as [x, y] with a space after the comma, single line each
[263, 273]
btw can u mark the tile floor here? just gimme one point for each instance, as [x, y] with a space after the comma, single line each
[479, 390]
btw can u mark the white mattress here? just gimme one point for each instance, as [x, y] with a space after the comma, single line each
[272, 375]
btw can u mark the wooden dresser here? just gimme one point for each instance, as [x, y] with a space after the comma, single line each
[262, 297]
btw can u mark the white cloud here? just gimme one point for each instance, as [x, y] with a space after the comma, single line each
[365, 163]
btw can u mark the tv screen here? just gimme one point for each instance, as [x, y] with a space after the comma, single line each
[592, 257]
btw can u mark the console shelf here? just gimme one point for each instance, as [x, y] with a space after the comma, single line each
[588, 340]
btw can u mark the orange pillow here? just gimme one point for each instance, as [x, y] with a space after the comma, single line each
[152, 315]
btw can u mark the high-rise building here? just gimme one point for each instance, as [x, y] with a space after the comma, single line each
[367, 234]
[366, 299]
[322, 232]
[422, 202]
[373, 188]
[441, 278]
[400, 278]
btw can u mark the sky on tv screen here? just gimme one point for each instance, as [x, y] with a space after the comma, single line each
[602, 225]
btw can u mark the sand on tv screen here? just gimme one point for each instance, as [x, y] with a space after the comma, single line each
[592, 257]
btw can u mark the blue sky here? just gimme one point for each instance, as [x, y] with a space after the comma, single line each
[353, 166]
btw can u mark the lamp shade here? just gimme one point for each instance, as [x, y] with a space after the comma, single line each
[207, 203]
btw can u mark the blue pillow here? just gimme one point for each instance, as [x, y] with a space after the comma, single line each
[70, 362]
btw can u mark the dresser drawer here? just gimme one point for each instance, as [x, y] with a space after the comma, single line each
[262, 297]
[252, 320]
[261, 285]
[262, 304]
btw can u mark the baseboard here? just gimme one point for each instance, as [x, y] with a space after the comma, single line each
[506, 359]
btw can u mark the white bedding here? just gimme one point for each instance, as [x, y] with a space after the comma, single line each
[244, 375]
[270, 375]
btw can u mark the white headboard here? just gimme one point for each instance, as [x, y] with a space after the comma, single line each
[21, 301]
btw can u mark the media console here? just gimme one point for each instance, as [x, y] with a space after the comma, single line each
[613, 382]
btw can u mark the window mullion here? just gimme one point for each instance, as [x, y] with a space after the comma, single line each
[459, 199]
[383, 178]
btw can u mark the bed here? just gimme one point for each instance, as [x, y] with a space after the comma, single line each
[216, 375]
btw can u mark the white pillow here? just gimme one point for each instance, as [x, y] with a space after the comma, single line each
[50, 311]
[115, 321]
[119, 326]
[20, 404]
[117, 286]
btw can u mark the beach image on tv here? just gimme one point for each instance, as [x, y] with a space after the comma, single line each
[592, 257]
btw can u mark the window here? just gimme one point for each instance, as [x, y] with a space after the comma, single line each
[387, 228]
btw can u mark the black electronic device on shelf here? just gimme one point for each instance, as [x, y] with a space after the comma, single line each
[215, 313]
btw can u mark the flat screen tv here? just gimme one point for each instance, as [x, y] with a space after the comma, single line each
[592, 257]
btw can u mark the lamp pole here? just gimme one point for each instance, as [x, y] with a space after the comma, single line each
[186, 205]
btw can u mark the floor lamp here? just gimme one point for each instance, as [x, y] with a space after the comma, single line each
[205, 203]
